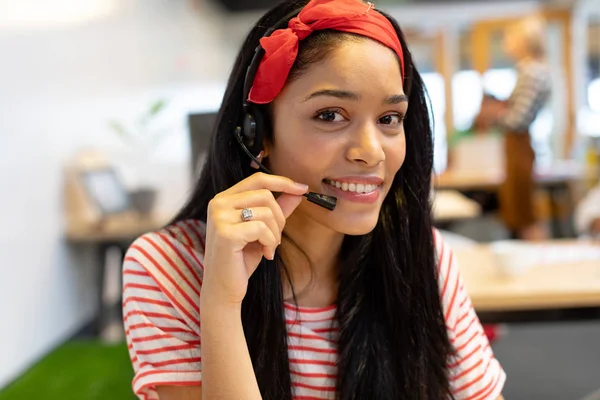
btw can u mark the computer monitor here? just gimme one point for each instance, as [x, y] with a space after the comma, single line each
[200, 126]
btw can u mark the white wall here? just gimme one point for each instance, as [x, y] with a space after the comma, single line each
[58, 88]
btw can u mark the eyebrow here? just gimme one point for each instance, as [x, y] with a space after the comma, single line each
[396, 99]
[340, 94]
[347, 95]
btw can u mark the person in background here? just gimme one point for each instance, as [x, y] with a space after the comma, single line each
[524, 42]
[587, 214]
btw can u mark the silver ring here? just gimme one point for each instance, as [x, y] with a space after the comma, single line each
[247, 214]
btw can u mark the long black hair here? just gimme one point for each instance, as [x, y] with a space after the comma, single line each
[393, 342]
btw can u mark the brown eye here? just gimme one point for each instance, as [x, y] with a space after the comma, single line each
[391, 119]
[330, 116]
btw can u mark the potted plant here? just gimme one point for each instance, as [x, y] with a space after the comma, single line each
[143, 138]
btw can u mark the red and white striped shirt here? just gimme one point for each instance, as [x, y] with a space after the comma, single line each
[161, 296]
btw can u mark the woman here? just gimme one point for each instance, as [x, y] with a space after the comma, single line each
[524, 42]
[362, 302]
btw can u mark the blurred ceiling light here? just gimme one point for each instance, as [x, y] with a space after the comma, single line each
[41, 14]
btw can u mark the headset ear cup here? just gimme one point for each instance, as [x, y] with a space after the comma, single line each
[254, 127]
[259, 129]
[249, 130]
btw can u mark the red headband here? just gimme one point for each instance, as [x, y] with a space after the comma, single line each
[281, 47]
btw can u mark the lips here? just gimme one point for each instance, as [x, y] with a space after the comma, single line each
[356, 184]
[353, 186]
[359, 189]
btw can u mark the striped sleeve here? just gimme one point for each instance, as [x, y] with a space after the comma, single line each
[528, 97]
[161, 297]
[474, 372]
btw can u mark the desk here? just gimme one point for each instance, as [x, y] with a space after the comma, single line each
[468, 180]
[122, 227]
[560, 285]
[557, 174]
[450, 205]
[554, 180]
[114, 231]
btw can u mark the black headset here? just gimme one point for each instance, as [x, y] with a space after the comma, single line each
[251, 132]
[253, 124]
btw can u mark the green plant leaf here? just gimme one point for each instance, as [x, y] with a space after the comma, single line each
[118, 128]
[156, 107]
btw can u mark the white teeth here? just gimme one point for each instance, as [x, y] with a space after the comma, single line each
[353, 187]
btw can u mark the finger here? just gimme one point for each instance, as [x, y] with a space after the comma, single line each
[258, 231]
[258, 198]
[273, 183]
[288, 204]
[264, 214]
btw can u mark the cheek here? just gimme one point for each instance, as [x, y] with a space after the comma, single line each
[300, 155]
[395, 155]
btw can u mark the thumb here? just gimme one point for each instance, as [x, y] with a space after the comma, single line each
[288, 203]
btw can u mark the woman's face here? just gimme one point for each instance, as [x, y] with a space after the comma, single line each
[338, 127]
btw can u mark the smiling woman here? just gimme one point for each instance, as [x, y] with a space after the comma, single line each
[349, 105]
[254, 293]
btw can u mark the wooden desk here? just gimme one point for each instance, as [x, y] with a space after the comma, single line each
[468, 180]
[116, 228]
[115, 231]
[560, 173]
[450, 205]
[548, 286]
[555, 180]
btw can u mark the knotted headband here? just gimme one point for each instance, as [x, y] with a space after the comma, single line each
[281, 47]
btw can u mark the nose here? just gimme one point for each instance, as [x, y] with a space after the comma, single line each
[365, 146]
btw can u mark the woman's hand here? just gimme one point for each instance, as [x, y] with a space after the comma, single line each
[235, 247]
[491, 109]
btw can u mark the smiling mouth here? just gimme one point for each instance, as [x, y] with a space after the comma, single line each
[353, 187]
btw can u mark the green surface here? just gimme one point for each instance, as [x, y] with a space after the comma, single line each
[79, 370]
[459, 135]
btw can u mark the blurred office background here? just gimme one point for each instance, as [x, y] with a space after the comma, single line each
[77, 76]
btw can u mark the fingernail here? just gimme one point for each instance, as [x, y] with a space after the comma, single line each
[302, 186]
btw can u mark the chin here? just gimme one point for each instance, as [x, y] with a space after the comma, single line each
[358, 227]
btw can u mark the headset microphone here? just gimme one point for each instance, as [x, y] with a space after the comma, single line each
[327, 202]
